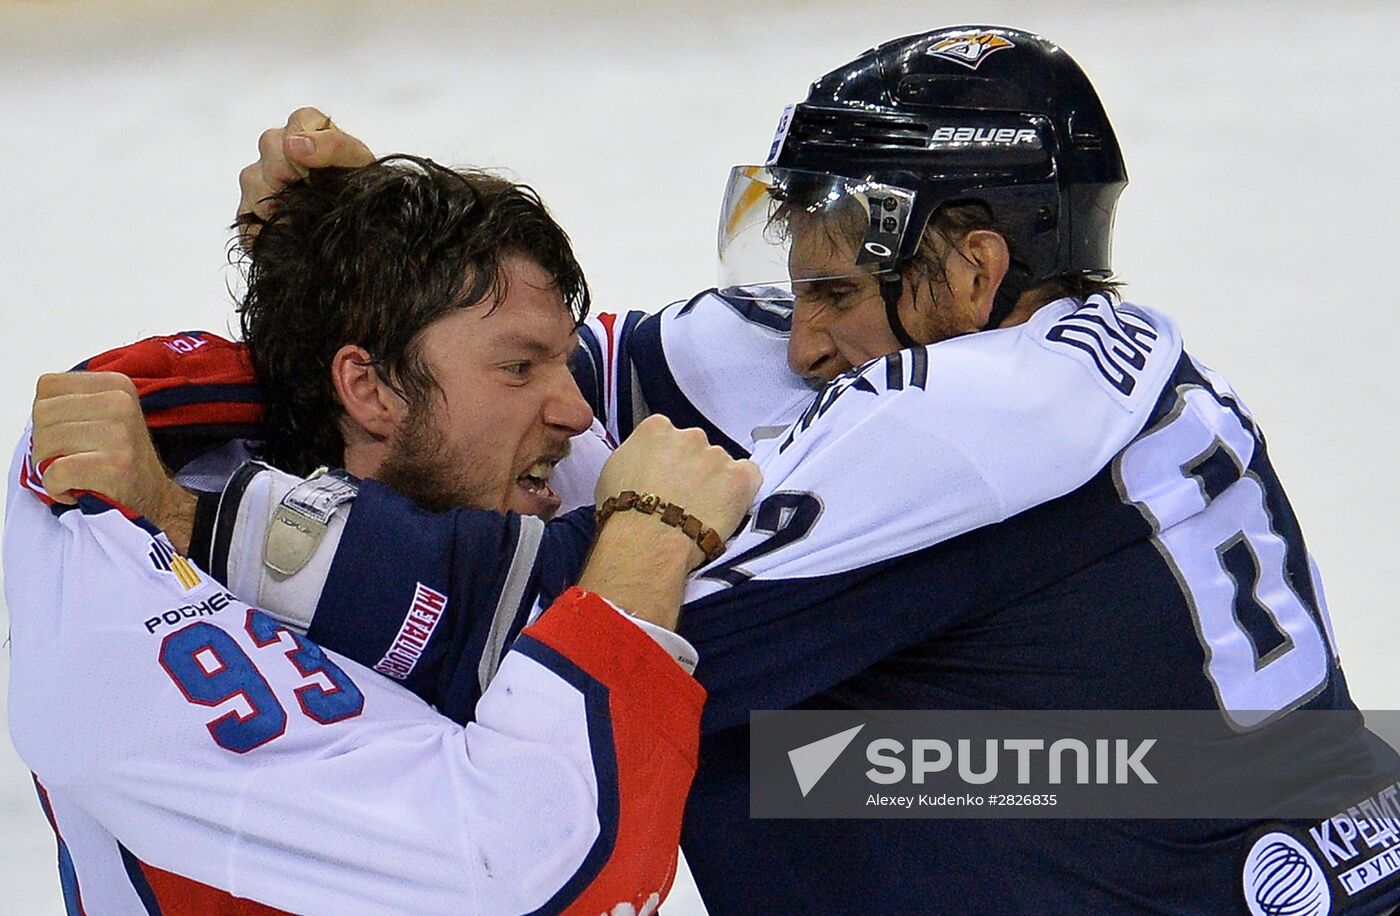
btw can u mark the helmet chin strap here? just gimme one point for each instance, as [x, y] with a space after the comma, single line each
[1008, 294]
[891, 288]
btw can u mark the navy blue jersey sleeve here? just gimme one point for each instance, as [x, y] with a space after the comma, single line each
[437, 604]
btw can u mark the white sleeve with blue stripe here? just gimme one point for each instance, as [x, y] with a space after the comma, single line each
[714, 362]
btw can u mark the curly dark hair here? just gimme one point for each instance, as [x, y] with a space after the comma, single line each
[370, 257]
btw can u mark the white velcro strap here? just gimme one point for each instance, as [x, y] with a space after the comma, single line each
[300, 519]
[308, 518]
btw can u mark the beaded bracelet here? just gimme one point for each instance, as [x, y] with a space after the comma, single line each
[707, 539]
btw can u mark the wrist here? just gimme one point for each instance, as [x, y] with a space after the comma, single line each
[640, 564]
[665, 550]
[672, 515]
[174, 514]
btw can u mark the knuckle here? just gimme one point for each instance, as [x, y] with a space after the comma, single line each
[115, 383]
[308, 117]
[270, 142]
[47, 381]
[113, 401]
[658, 434]
[279, 173]
[41, 447]
[58, 384]
[723, 460]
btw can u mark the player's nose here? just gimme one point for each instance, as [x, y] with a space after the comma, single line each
[565, 408]
[811, 352]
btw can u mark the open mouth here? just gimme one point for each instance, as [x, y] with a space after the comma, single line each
[535, 480]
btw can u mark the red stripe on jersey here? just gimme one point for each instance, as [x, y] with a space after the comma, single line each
[191, 361]
[32, 481]
[655, 709]
[181, 896]
[207, 414]
[609, 359]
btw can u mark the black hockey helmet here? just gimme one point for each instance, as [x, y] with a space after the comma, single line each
[969, 113]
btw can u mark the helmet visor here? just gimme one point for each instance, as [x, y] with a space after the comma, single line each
[781, 226]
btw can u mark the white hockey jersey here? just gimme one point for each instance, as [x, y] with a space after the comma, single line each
[196, 756]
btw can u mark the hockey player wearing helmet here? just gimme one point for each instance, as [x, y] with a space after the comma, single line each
[937, 185]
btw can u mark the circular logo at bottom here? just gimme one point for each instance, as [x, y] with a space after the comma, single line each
[1281, 878]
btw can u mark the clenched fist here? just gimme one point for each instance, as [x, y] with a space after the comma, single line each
[638, 562]
[91, 425]
[681, 467]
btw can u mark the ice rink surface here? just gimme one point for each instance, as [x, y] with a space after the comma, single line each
[1261, 140]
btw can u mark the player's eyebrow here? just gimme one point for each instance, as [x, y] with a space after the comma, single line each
[816, 285]
[533, 346]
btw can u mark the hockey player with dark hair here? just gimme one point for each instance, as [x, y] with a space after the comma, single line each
[1011, 491]
[194, 754]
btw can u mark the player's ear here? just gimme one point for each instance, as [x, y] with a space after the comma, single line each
[370, 403]
[987, 259]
